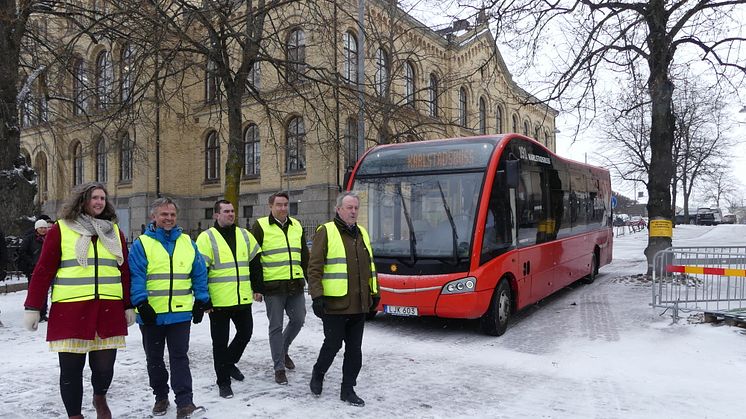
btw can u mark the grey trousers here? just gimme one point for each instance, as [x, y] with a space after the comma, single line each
[279, 339]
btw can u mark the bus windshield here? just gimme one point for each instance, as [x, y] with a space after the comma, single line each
[420, 216]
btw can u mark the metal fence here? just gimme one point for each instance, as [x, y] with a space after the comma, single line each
[11, 268]
[709, 279]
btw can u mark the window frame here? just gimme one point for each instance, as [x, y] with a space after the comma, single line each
[463, 118]
[296, 55]
[295, 145]
[101, 160]
[251, 160]
[104, 79]
[382, 72]
[212, 157]
[350, 57]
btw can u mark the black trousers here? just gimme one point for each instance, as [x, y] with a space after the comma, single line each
[225, 355]
[338, 328]
[71, 376]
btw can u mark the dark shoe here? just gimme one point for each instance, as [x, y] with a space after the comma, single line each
[280, 377]
[317, 383]
[289, 364]
[351, 398]
[186, 412]
[226, 392]
[235, 373]
[102, 408]
[160, 407]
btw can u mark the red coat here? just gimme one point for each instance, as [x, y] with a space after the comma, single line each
[79, 319]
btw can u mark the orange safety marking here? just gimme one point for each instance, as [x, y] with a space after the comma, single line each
[705, 270]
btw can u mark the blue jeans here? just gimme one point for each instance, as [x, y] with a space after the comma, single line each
[154, 341]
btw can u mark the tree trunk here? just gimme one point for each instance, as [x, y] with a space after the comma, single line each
[661, 127]
[234, 163]
[17, 186]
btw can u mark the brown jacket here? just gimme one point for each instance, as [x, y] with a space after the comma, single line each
[359, 297]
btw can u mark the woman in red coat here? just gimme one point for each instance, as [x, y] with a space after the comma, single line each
[84, 261]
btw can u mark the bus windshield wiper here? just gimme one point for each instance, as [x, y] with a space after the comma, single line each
[412, 237]
[450, 220]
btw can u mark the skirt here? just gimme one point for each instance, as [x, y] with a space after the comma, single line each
[83, 346]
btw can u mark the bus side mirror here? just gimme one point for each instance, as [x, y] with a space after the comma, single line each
[512, 168]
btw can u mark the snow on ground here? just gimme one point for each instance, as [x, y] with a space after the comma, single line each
[590, 351]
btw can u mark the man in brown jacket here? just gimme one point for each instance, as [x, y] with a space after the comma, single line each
[343, 285]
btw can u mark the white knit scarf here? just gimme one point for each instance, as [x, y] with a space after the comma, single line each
[87, 226]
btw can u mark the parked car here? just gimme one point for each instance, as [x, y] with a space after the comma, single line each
[729, 219]
[637, 221]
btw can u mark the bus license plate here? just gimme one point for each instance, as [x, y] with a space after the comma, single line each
[400, 310]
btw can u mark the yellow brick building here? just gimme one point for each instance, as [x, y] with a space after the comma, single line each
[419, 83]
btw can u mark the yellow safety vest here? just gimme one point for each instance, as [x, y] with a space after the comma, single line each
[334, 280]
[101, 279]
[169, 277]
[281, 254]
[228, 278]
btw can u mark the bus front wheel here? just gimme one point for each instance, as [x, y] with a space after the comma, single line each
[495, 320]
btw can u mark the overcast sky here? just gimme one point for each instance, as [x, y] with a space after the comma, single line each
[576, 148]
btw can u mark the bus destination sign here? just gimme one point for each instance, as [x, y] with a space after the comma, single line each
[442, 159]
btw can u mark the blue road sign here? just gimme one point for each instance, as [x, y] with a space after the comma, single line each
[613, 202]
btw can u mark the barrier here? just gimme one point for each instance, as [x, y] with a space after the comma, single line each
[709, 279]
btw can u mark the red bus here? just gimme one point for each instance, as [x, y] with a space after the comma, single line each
[480, 227]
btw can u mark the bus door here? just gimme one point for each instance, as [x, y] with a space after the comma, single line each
[535, 254]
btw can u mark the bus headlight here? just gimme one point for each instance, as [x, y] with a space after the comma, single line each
[460, 286]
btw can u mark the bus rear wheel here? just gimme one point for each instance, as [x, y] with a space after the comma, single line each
[495, 320]
[588, 279]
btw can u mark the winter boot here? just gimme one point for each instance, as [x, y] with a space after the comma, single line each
[102, 408]
[349, 396]
[317, 383]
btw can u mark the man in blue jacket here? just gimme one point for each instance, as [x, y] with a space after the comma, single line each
[169, 288]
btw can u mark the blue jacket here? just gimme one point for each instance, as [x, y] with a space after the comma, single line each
[139, 267]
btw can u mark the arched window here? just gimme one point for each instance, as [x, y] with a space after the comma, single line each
[211, 81]
[349, 66]
[212, 157]
[351, 148]
[409, 87]
[537, 132]
[433, 99]
[80, 80]
[462, 107]
[126, 147]
[381, 76]
[251, 151]
[101, 168]
[526, 127]
[40, 165]
[295, 152]
[77, 163]
[254, 81]
[104, 79]
[515, 123]
[296, 50]
[546, 138]
[499, 119]
[482, 116]
[28, 111]
[126, 70]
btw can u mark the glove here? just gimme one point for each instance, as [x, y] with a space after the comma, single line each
[318, 307]
[31, 320]
[198, 311]
[374, 304]
[129, 314]
[147, 314]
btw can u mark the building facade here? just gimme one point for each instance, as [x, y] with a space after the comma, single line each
[417, 83]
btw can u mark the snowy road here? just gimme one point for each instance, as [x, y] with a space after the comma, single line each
[591, 351]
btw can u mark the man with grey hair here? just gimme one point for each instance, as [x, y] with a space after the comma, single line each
[344, 288]
[169, 288]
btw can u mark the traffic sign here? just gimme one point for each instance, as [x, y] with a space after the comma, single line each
[613, 202]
